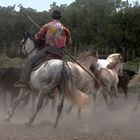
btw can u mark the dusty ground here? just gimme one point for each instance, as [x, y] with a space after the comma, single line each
[119, 124]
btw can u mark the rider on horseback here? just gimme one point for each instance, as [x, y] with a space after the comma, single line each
[55, 36]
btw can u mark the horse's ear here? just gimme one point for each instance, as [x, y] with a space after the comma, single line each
[94, 52]
[25, 34]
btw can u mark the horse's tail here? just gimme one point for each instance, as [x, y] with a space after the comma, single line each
[69, 90]
[134, 81]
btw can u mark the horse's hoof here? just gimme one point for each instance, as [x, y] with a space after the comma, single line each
[7, 119]
[27, 124]
[134, 109]
[68, 111]
[46, 123]
[54, 127]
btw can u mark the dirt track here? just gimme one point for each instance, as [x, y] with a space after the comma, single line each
[120, 124]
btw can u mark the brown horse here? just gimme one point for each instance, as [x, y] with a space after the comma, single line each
[8, 76]
[134, 82]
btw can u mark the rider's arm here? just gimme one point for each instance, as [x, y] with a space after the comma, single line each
[41, 33]
[68, 37]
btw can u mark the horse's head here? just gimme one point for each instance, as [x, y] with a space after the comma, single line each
[115, 62]
[88, 58]
[116, 57]
[27, 48]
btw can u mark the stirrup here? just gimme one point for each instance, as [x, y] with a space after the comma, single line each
[20, 84]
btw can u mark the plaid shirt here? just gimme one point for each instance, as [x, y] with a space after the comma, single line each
[55, 33]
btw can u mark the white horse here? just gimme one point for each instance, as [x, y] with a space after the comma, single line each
[68, 77]
[107, 74]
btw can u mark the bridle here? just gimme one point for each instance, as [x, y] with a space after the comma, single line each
[22, 46]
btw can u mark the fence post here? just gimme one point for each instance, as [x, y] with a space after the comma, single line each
[114, 50]
[127, 55]
[106, 51]
[133, 56]
[4, 47]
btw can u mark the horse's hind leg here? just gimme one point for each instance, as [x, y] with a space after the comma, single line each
[21, 96]
[53, 102]
[125, 90]
[39, 105]
[33, 97]
[59, 110]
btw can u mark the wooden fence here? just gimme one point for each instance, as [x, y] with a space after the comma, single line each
[10, 49]
[129, 55]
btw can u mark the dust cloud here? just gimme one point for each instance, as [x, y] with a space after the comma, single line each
[95, 122]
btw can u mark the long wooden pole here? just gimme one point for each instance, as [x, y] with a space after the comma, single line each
[28, 17]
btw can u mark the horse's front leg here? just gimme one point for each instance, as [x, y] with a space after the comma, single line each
[23, 93]
[105, 96]
[79, 112]
[59, 110]
[115, 90]
[114, 94]
[69, 109]
[96, 93]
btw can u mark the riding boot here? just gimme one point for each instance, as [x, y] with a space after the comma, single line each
[25, 77]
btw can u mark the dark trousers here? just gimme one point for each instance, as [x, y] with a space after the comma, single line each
[40, 55]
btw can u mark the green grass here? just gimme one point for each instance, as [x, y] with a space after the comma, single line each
[133, 65]
[5, 61]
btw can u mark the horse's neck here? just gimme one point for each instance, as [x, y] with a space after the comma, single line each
[32, 54]
[86, 63]
[117, 68]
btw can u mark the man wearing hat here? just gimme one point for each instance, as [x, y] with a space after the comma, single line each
[55, 36]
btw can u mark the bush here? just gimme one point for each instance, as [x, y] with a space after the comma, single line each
[5, 61]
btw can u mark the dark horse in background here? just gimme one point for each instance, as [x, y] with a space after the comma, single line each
[124, 80]
[8, 76]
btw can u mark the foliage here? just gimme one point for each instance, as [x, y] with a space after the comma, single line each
[5, 61]
[112, 23]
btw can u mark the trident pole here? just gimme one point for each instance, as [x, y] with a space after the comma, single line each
[28, 17]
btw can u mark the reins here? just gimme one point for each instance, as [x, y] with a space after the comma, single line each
[23, 46]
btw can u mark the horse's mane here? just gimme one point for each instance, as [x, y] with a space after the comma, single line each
[114, 59]
[83, 55]
[111, 65]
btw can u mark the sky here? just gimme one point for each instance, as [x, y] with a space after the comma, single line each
[39, 5]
